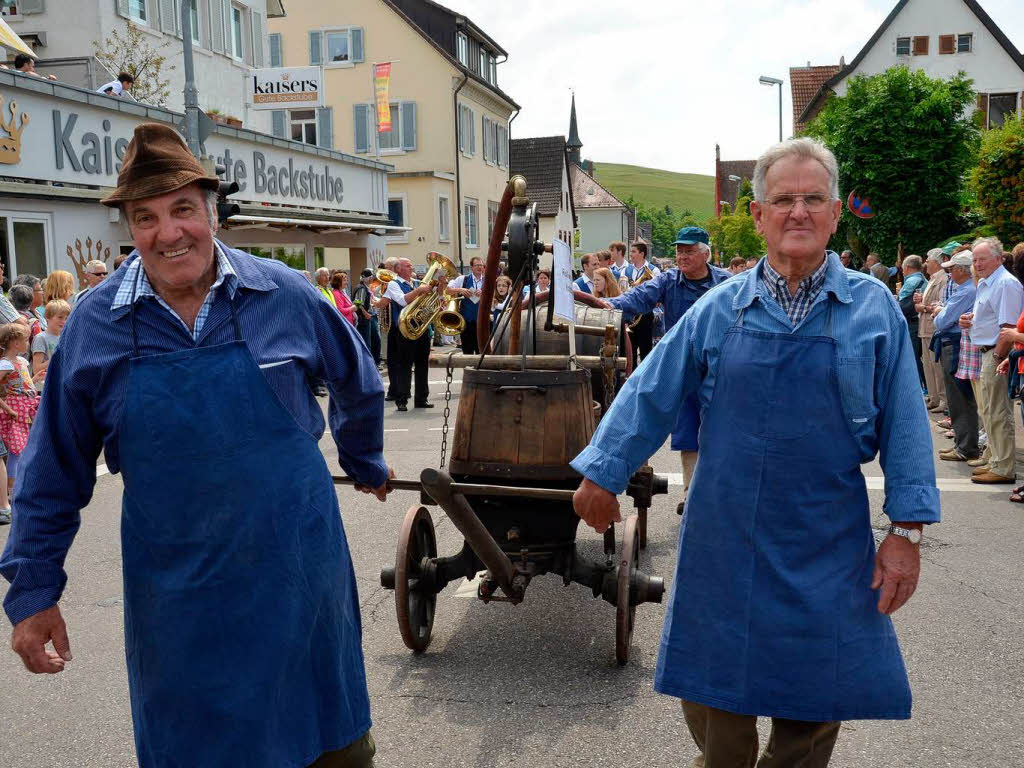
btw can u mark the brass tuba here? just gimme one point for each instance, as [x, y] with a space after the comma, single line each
[423, 310]
[377, 287]
[449, 321]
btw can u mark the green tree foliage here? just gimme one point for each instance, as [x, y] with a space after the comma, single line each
[999, 179]
[905, 141]
[132, 50]
[665, 224]
[734, 233]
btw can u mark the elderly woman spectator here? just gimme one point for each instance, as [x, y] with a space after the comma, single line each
[323, 279]
[339, 288]
[924, 302]
[21, 297]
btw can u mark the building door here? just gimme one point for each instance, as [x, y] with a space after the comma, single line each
[25, 244]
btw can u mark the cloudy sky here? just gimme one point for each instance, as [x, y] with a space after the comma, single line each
[659, 82]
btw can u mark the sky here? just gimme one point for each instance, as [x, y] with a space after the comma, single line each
[659, 82]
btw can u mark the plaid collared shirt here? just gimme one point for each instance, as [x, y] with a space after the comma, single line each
[799, 305]
[970, 358]
[123, 297]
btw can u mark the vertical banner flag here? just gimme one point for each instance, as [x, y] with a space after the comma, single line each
[382, 89]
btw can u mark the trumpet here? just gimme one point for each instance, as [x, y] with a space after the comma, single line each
[423, 310]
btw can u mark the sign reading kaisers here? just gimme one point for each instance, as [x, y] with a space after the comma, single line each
[285, 88]
[84, 144]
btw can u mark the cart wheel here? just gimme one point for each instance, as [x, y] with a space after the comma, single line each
[414, 601]
[625, 609]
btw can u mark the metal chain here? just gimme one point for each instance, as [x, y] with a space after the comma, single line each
[447, 409]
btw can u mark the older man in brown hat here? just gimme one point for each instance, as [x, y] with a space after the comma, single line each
[187, 369]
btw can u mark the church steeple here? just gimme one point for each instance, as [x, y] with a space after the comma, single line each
[574, 145]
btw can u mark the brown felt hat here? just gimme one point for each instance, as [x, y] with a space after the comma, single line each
[156, 162]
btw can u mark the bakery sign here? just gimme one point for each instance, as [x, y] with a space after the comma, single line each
[285, 88]
[72, 142]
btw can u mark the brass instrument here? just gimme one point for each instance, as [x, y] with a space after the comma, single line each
[642, 278]
[423, 310]
[449, 321]
[377, 287]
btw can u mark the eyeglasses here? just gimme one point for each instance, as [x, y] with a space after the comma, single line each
[99, 274]
[813, 203]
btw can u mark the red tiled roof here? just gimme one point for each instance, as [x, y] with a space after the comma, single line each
[805, 83]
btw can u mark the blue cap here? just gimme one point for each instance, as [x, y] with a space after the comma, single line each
[692, 235]
[950, 247]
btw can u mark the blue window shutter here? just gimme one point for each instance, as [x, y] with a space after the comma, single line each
[325, 127]
[408, 126]
[275, 49]
[277, 123]
[168, 22]
[361, 120]
[357, 43]
[315, 48]
[122, 8]
[472, 133]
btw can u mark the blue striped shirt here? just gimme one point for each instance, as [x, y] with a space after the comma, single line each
[876, 377]
[293, 335]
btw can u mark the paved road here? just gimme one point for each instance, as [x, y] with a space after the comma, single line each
[537, 684]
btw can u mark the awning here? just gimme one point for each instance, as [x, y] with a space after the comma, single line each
[9, 39]
[324, 226]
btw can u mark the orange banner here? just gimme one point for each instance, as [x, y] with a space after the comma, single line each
[382, 89]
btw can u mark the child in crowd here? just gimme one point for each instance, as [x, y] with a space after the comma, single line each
[45, 343]
[18, 393]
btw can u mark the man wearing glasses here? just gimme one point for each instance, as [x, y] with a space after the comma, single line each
[804, 371]
[95, 273]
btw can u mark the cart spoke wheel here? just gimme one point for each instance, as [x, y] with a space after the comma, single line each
[415, 600]
[625, 609]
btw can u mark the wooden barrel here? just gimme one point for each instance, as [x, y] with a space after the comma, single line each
[524, 425]
[554, 343]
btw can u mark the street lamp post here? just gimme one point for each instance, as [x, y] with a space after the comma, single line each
[765, 80]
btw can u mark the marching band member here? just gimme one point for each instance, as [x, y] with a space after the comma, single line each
[618, 251]
[585, 282]
[638, 272]
[468, 287]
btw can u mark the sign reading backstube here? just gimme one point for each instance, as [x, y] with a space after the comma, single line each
[285, 88]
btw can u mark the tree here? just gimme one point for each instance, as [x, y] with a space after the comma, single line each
[734, 233]
[905, 141]
[132, 51]
[665, 224]
[998, 179]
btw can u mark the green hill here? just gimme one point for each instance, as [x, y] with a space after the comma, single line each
[681, 191]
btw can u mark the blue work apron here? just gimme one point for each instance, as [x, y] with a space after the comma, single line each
[242, 627]
[772, 611]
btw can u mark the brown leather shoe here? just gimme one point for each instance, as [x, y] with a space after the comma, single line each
[979, 470]
[952, 456]
[978, 462]
[991, 478]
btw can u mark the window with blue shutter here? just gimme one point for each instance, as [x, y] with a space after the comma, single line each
[168, 17]
[275, 50]
[325, 127]
[487, 145]
[315, 48]
[408, 110]
[278, 118]
[361, 121]
[258, 37]
[217, 25]
[357, 43]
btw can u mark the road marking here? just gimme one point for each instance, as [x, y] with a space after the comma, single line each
[396, 429]
[102, 470]
[434, 429]
[876, 483]
[442, 381]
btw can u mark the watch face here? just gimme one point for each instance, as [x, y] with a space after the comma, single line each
[914, 536]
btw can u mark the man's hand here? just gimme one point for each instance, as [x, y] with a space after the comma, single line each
[31, 635]
[1008, 336]
[382, 492]
[605, 304]
[966, 320]
[897, 567]
[597, 507]
[1003, 369]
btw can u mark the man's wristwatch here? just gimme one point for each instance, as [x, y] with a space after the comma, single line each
[913, 535]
